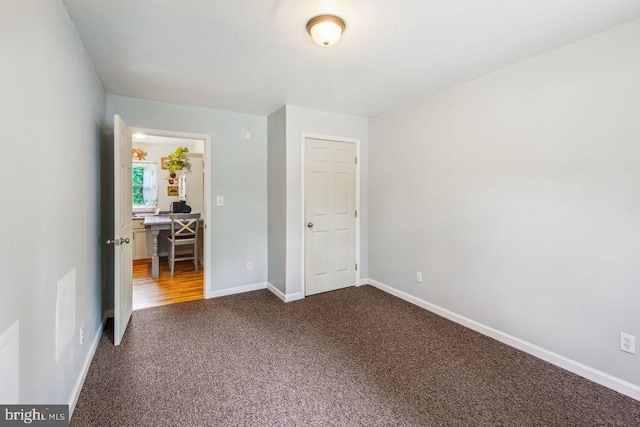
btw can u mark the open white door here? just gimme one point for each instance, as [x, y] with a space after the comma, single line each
[123, 228]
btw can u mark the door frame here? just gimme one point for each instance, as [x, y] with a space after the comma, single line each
[208, 163]
[303, 234]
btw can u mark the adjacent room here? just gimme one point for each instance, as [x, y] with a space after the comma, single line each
[167, 179]
[348, 213]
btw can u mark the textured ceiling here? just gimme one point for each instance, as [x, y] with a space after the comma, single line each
[254, 56]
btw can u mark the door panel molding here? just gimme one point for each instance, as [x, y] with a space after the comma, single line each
[303, 226]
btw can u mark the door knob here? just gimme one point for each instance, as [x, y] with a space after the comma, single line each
[309, 225]
[117, 242]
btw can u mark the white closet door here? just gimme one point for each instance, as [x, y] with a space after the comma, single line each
[330, 215]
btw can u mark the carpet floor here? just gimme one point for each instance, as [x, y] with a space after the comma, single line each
[354, 357]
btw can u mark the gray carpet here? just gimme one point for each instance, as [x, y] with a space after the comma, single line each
[354, 357]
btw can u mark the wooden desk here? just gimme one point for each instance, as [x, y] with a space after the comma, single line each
[157, 223]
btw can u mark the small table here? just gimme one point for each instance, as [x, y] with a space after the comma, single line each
[157, 223]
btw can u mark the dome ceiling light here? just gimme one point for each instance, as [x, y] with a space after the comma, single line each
[325, 30]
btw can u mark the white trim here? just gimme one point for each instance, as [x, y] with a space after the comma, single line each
[356, 141]
[285, 298]
[236, 290]
[77, 388]
[294, 297]
[13, 333]
[108, 314]
[207, 165]
[602, 378]
[364, 281]
[277, 292]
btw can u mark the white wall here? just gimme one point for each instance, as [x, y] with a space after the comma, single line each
[277, 189]
[52, 105]
[239, 173]
[195, 184]
[517, 195]
[299, 120]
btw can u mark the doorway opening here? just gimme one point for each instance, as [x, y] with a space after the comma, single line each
[157, 193]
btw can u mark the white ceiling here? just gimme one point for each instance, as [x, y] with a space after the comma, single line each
[254, 56]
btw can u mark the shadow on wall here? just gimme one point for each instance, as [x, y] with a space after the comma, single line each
[106, 218]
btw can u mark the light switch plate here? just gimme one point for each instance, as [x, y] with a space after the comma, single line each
[220, 201]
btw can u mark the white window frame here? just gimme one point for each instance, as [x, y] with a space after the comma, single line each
[153, 206]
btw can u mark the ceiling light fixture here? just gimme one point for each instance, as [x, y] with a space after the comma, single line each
[325, 30]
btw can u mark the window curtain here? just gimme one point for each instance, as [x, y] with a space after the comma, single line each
[149, 186]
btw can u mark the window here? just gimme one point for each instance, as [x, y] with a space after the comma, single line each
[145, 186]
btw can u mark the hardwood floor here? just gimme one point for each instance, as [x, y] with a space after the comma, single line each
[186, 285]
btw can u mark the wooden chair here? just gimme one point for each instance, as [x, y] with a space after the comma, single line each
[184, 231]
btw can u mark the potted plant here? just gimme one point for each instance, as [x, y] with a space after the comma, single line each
[178, 161]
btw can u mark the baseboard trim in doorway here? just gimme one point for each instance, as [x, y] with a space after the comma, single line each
[108, 314]
[602, 378]
[284, 297]
[236, 290]
[364, 281]
[77, 388]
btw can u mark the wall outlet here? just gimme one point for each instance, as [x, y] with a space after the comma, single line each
[249, 266]
[418, 277]
[82, 334]
[627, 343]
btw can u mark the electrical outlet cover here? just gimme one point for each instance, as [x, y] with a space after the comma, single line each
[627, 343]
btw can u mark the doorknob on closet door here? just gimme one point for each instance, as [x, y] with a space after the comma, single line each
[309, 225]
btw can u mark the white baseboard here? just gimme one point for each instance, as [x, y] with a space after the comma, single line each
[77, 388]
[277, 292]
[602, 378]
[108, 314]
[236, 290]
[286, 298]
[294, 297]
[364, 281]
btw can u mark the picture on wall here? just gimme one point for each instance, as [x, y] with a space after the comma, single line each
[173, 190]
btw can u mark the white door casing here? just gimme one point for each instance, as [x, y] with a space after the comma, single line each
[330, 215]
[123, 228]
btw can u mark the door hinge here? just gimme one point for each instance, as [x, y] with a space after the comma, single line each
[356, 267]
[356, 214]
[356, 160]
